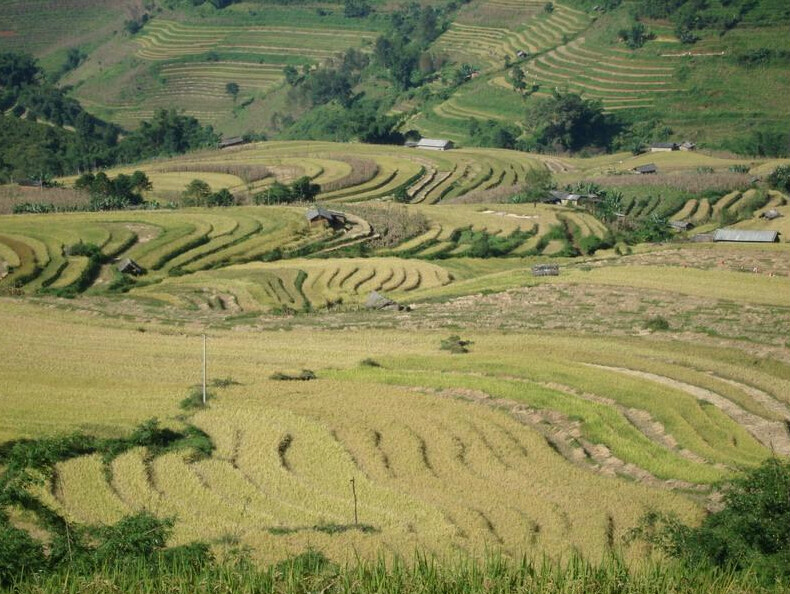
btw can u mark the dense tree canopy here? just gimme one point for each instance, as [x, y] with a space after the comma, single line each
[119, 192]
[29, 149]
[567, 122]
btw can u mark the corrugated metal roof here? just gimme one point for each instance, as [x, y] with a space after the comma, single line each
[433, 142]
[746, 235]
[320, 212]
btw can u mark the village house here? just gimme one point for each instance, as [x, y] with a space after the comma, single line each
[434, 144]
[745, 236]
[663, 147]
[232, 141]
[129, 266]
[681, 225]
[646, 169]
[325, 217]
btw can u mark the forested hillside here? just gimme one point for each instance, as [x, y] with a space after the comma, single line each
[478, 72]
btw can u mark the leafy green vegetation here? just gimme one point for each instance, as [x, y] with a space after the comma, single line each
[117, 193]
[567, 122]
[300, 190]
[751, 533]
[43, 144]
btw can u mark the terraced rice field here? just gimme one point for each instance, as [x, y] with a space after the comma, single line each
[487, 47]
[499, 13]
[501, 220]
[743, 207]
[45, 27]
[428, 176]
[162, 242]
[165, 40]
[612, 76]
[297, 284]
[175, 69]
[531, 443]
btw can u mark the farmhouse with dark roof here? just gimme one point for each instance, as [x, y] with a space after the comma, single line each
[643, 169]
[323, 216]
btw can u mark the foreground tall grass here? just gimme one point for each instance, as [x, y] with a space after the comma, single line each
[311, 572]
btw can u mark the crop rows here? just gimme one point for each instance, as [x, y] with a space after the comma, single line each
[162, 243]
[487, 47]
[504, 447]
[297, 284]
[733, 206]
[612, 77]
[523, 228]
[428, 177]
[166, 40]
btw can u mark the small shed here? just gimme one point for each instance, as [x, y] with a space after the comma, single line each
[646, 169]
[567, 198]
[546, 270]
[681, 225]
[770, 215]
[232, 141]
[745, 236]
[688, 146]
[435, 144]
[664, 147]
[323, 216]
[378, 301]
[522, 54]
[129, 266]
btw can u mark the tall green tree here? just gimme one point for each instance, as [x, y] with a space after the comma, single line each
[568, 122]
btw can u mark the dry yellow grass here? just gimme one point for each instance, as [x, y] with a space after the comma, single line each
[431, 471]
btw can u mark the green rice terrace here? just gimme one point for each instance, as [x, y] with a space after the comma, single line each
[135, 60]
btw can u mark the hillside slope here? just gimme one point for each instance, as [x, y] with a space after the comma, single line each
[729, 83]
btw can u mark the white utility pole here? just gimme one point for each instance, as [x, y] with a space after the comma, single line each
[204, 370]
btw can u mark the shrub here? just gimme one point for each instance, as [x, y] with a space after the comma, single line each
[224, 382]
[656, 323]
[304, 375]
[589, 244]
[278, 193]
[140, 536]
[750, 533]
[455, 344]
[780, 178]
[20, 555]
[635, 36]
[195, 399]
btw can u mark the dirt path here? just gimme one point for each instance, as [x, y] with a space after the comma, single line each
[772, 434]
[763, 398]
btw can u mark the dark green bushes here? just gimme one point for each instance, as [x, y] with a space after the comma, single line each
[750, 534]
[198, 193]
[455, 344]
[116, 193]
[301, 190]
[303, 376]
[657, 323]
[20, 555]
[780, 178]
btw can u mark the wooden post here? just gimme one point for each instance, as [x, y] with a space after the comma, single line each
[354, 493]
[204, 370]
